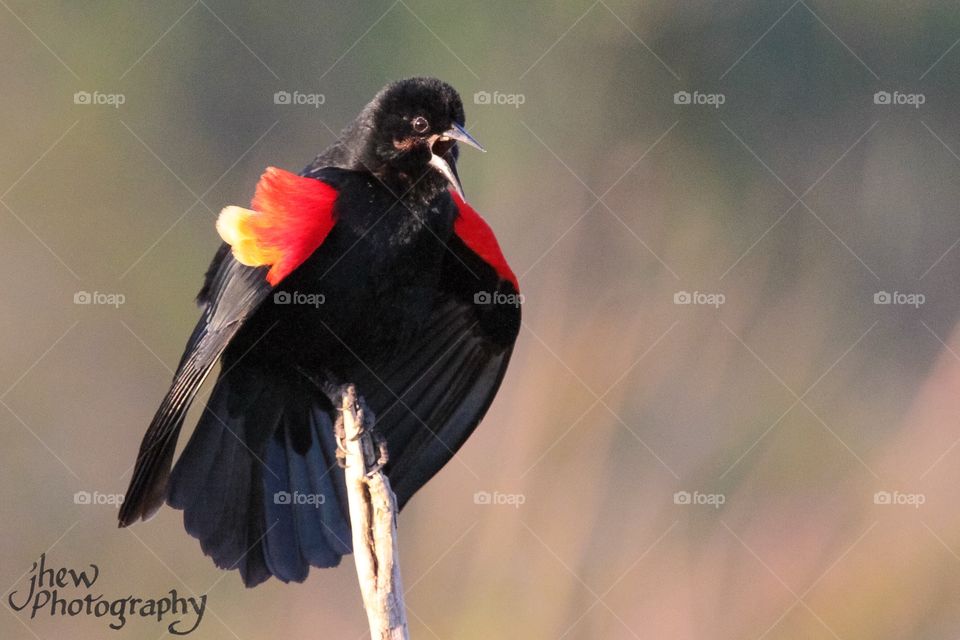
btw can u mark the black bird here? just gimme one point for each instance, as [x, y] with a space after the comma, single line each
[367, 268]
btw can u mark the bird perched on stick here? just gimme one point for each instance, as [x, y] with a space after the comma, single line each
[367, 268]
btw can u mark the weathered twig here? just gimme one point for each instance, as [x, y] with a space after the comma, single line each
[373, 509]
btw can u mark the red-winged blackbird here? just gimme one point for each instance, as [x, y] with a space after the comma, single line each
[367, 268]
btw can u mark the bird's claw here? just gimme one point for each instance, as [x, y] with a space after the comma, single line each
[340, 435]
[383, 456]
[365, 423]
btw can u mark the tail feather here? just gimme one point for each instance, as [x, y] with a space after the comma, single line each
[323, 536]
[204, 452]
[281, 547]
[306, 515]
[326, 479]
[258, 481]
[207, 482]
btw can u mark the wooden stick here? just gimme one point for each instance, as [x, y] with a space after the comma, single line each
[373, 521]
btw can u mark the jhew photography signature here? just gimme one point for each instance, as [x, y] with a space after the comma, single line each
[59, 592]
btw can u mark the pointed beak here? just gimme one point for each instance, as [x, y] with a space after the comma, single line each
[458, 133]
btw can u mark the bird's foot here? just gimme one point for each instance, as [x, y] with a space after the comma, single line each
[340, 435]
[382, 455]
[373, 445]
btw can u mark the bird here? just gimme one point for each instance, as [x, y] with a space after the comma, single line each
[367, 268]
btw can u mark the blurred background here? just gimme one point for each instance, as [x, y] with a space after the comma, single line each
[734, 408]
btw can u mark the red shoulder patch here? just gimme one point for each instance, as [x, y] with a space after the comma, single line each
[291, 218]
[478, 236]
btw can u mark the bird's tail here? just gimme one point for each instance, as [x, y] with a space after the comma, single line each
[259, 482]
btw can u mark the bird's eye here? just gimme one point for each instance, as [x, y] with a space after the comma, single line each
[420, 124]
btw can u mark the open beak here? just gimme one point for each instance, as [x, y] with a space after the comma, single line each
[458, 133]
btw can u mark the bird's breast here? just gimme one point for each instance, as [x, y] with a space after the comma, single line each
[368, 290]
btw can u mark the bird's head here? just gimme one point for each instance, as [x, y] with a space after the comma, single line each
[413, 130]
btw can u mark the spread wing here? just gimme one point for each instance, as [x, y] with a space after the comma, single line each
[429, 400]
[290, 217]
